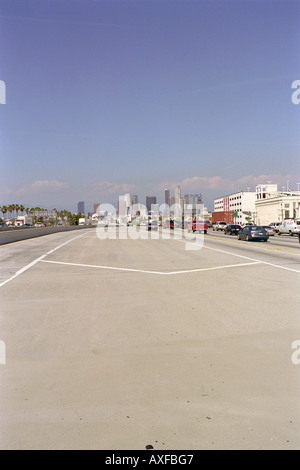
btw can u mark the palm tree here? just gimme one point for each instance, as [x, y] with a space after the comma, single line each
[17, 207]
[22, 208]
[10, 209]
[4, 210]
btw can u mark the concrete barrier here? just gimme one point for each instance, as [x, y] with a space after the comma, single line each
[15, 234]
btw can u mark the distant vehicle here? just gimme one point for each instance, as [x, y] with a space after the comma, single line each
[152, 225]
[253, 232]
[2, 224]
[271, 230]
[232, 229]
[168, 224]
[275, 225]
[219, 225]
[207, 222]
[289, 226]
[59, 224]
[197, 226]
[39, 224]
[81, 221]
[247, 224]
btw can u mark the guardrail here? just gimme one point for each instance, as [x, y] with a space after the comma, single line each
[15, 234]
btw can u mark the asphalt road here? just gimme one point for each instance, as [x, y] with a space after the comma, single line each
[122, 343]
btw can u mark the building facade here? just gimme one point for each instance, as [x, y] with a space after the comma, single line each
[80, 207]
[241, 203]
[275, 206]
[149, 201]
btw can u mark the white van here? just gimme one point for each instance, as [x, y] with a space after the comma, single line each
[289, 226]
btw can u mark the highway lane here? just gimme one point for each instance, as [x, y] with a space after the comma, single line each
[121, 343]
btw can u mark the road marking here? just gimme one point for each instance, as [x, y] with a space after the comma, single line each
[40, 258]
[147, 271]
[247, 257]
[269, 246]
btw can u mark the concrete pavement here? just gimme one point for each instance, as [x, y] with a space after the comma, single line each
[117, 344]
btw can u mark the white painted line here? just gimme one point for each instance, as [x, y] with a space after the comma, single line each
[149, 272]
[247, 257]
[40, 258]
[22, 270]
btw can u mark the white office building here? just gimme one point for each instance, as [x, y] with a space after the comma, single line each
[241, 203]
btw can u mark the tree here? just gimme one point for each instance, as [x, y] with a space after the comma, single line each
[4, 209]
[17, 208]
[10, 209]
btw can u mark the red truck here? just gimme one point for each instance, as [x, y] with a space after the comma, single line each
[225, 216]
[197, 226]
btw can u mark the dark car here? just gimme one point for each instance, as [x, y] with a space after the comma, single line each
[232, 229]
[253, 232]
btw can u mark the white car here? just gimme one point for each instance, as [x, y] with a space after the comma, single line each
[219, 226]
[271, 230]
[274, 225]
[39, 224]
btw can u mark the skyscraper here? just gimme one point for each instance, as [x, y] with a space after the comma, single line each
[134, 199]
[149, 201]
[96, 205]
[167, 197]
[177, 194]
[80, 207]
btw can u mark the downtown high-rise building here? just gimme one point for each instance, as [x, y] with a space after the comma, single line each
[167, 197]
[149, 201]
[195, 198]
[96, 205]
[80, 207]
[134, 199]
[177, 194]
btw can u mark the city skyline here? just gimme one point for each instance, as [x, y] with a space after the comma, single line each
[107, 98]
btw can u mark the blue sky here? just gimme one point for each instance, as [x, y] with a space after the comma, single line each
[108, 97]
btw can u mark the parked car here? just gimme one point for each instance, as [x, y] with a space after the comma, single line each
[232, 229]
[152, 225]
[168, 223]
[39, 224]
[271, 230]
[253, 232]
[289, 226]
[197, 226]
[219, 226]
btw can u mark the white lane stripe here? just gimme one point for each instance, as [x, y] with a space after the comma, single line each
[149, 272]
[40, 258]
[245, 257]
